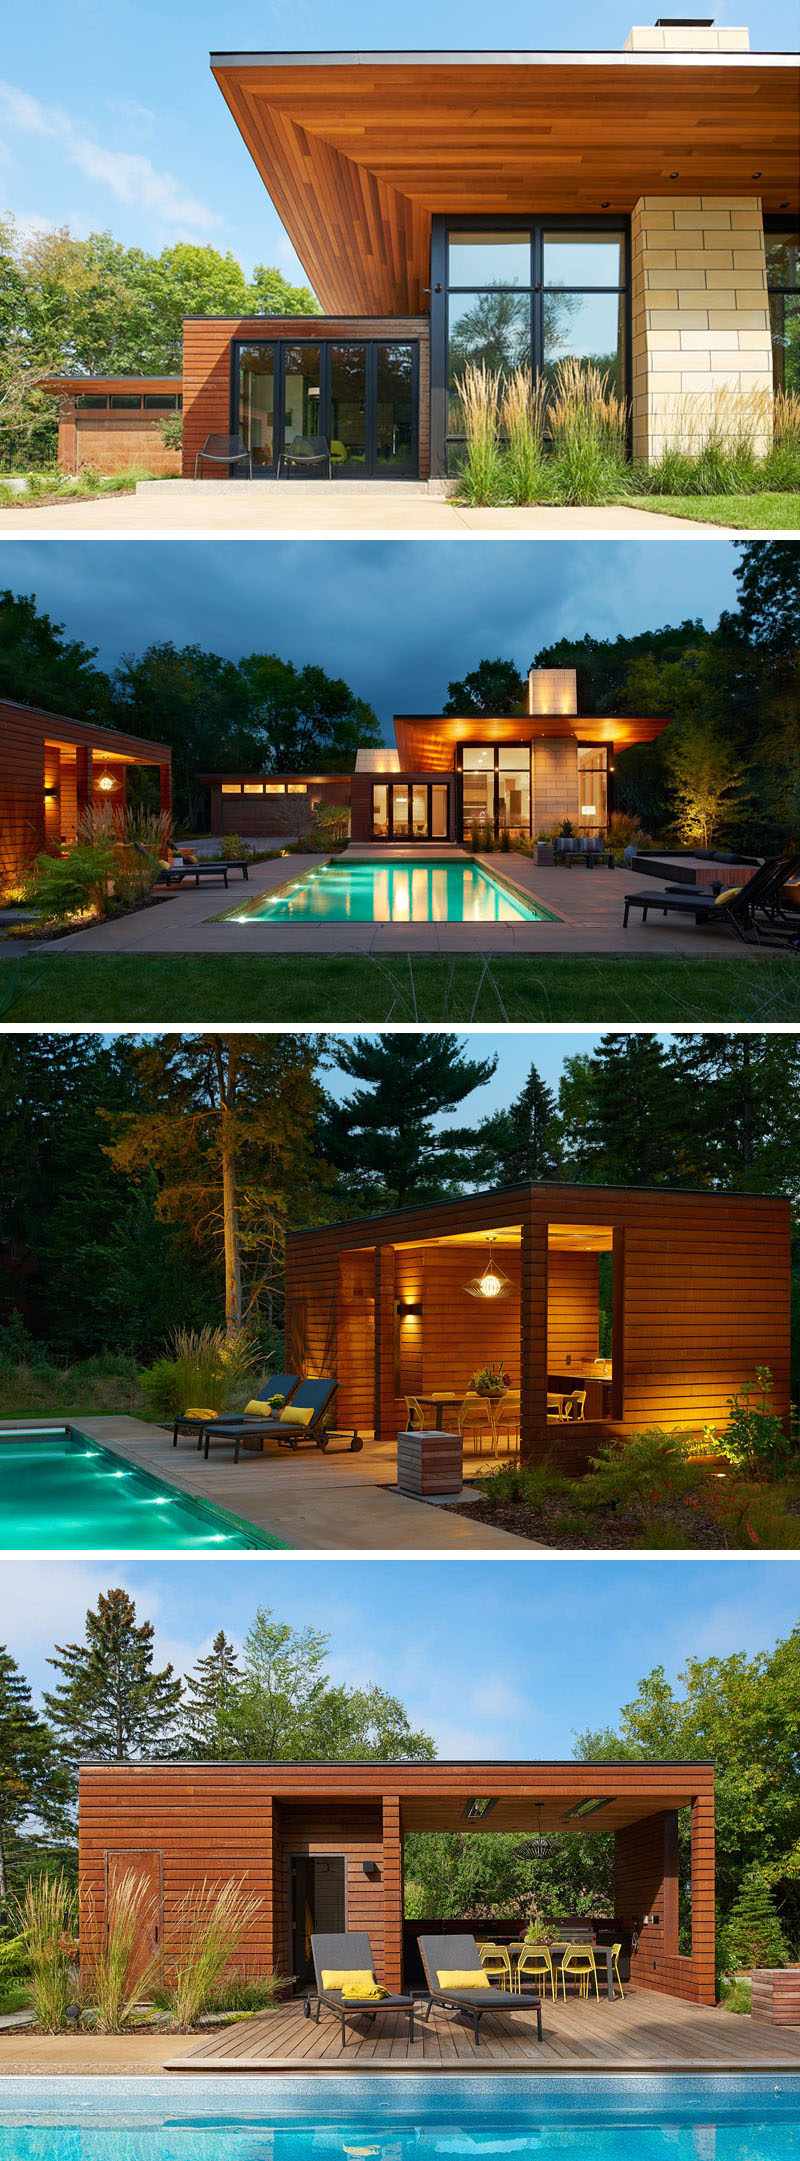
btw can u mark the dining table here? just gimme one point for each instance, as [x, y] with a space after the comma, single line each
[443, 1400]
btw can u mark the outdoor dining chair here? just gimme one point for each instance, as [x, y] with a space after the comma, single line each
[535, 1963]
[579, 1963]
[615, 1949]
[475, 1420]
[575, 1405]
[496, 1962]
[507, 1413]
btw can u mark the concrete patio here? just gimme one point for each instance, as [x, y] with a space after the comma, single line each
[314, 509]
[588, 906]
[313, 1502]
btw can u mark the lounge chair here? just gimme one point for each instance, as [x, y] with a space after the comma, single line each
[314, 1398]
[350, 1954]
[193, 1423]
[460, 1954]
[223, 450]
[304, 452]
[738, 907]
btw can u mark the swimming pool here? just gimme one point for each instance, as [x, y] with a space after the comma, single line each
[61, 1490]
[732, 2118]
[408, 891]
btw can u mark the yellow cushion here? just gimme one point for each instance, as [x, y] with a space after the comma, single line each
[462, 1977]
[290, 1417]
[255, 1409]
[188, 855]
[729, 894]
[196, 1410]
[353, 1994]
[357, 1978]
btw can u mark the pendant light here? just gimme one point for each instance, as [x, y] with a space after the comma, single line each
[493, 1284]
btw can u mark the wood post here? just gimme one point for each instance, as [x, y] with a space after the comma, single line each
[392, 1873]
[165, 787]
[533, 1330]
[703, 1901]
[385, 1420]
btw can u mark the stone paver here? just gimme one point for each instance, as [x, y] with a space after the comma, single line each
[319, 1502]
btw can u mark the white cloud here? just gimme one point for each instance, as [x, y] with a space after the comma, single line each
[138, 118]
[131, 178]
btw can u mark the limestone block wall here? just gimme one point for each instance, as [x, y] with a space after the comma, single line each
[700, 317]
[555, 781]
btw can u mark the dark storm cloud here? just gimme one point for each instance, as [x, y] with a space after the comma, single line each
[397, 619]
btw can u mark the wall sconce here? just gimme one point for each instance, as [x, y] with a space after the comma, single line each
[406, 1309]
[370, 1868]
[50, 791]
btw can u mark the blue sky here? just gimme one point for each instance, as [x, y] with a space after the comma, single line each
[111, 120]
[399, 620]
[493, 1658]
[546, 1049]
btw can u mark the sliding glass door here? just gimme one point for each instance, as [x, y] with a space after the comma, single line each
[410, 810]
[360, 396]
[496, 787]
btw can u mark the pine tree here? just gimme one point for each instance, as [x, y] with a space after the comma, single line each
[33, 1781]
[523, 1142]
[618, 1113]
[208, 1694]
[383, 1141]
[753, 1936]
[111, 1701]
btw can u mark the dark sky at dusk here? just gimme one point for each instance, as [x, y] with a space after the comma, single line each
[397, 619]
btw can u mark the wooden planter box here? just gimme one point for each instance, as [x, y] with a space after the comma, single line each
[775, 1999]
[429, 1462]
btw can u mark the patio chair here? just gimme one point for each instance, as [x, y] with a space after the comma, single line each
[615, 1949]
[223, 450]
[737, 907]
[507, 1413]
[304, 452]
[459, 1956]
[475, 1419]
[496, 1962]
[301, 1421]
[555, 1409]
[578, 1963]
[535, 1963]
[575, 1405]
[337, 1957]
[194, 1421]
[413, 1414]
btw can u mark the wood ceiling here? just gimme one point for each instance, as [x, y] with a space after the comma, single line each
[359, 153]
[428, 743]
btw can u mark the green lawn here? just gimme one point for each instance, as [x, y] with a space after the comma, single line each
[243, 988]
[777, 512]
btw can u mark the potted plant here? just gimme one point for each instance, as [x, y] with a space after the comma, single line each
[490, 1380]
[276, 1403]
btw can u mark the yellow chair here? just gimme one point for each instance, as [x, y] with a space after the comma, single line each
[414, 1414]
[578, 1962]
[615, 1949]
[535, 1963]
[496, 1962]
[507, 1414]
[475, 1420]
[555, 1409]
[575, 1405]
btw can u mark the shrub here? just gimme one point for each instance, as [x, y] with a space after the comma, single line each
[625, 830]
[75, 884]
[754, 1440]
[751, 1513]
[753, 1935]
[122, 1970]
[647, 1472]
[737, 1996]
[210, 1923]
[482, 479]
[232, 849]
[141, 837]
[47, 1918]
[201, 1367]
[171, 430]
[505, 840]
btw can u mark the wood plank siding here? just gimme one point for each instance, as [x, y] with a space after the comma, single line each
[46, 752]
[358, 152]
[700, 1294]
[196, 1822]
[108, 439]
[207, 343]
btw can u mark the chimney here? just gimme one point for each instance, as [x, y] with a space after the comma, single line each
[685, 34]
[552, 690]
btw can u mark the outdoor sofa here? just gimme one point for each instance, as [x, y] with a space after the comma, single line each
[460, 1954]
[191, 1423]
[755, 908]
[345, 1954]
[311, 1398]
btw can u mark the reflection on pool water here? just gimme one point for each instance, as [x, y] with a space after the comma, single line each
[61, 1490]
[349, 2118]
[430, 891]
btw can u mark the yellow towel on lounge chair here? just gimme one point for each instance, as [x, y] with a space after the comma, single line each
[374, 1993]
[463, 1977]
[197, 1410]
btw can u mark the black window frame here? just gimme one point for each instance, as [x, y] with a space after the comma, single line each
[373, 468]
[778, 291]
[440, 289]
[523, 744]
[409, 783]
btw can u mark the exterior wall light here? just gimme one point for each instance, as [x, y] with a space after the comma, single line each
[370, 1868]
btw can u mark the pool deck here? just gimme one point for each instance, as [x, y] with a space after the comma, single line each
[311, 1501]
[588, 906]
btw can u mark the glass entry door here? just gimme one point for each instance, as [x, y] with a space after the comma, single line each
[361, 396]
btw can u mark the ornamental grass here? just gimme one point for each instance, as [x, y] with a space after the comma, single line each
[47, 1920]
[482, 480]
[123, 1970]
[210, 1925]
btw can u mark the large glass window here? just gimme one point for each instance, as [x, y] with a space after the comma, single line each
[783, 281]
[380, 810]
[348, 407]
[514, 788]
[301, 390]
[257, 403]
[537, 295]
[359, 397]
[395, 444]
[409, 810]
[593, 787]
[496, 786]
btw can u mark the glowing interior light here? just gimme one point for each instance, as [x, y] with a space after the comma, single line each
[106, 783]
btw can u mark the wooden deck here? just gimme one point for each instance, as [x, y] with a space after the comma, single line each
[645, 2033]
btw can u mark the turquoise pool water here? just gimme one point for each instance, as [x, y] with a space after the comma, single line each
[60, 1490]
[428, 891]
[401, 2119]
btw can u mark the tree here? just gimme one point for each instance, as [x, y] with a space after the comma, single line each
[524, 1141]
[753, 1935]
[384, 1141]
[768, 579]
[227, 1125]
[486, 1875]
[494, 686]
[111, 1700]
[33, 1781]
[271, 294]
[208, 1695]
[283, 1707]
[302, 719]
[617, 1113]
[40, 666]
[708, 783]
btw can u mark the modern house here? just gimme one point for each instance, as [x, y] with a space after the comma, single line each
[111, 422]
[638, 209]
[53, 770]
[321, 1847]
[649, 1305]
[446, 774]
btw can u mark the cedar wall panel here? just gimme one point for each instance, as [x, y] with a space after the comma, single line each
[24, 735]
[113, 442]
[355, 1832]
[207, 368]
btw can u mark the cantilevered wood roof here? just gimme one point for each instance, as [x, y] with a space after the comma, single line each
[359, 150]
[428, 742]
